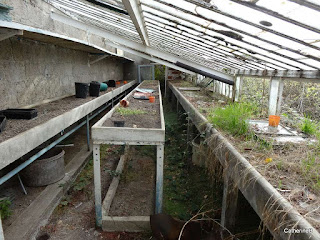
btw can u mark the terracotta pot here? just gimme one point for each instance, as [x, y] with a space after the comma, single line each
[152, 99]
[124, 103]
[125, 82]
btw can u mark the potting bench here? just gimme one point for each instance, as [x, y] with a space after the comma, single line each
[127, 136]
[17, 146]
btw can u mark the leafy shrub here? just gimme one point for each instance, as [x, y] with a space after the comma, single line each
[233, 118]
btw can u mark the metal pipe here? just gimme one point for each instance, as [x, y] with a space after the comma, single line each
[193, 69]
[22, 185]
[53, 144]
[88, 132]
[39, 154]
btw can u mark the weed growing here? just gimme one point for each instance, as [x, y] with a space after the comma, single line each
[233, 118]
[187, 188]
[308, 126]
[128, 111]
[5, 210]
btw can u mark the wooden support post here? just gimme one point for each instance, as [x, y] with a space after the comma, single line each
[275, 96]
[97, 183]
[229, 203]
[159, 181]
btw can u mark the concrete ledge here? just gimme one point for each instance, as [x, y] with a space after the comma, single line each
[14, 148]
[276, 212]
[125, 135]
[126, 224]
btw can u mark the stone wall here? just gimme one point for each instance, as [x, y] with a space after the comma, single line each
[31, 71]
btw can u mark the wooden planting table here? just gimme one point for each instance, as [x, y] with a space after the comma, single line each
[144, 125]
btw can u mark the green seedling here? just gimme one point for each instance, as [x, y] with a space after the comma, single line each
[128, 111]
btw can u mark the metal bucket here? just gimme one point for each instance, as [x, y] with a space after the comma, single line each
[48, 169]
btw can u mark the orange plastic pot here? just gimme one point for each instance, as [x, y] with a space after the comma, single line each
[274, 120]
[125, 82]
[152, 99]
[117, 83]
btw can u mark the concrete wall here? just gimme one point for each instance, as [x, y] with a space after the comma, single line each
[36, 13]
[32, 71]
[130, 69]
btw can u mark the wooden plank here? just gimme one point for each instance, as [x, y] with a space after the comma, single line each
[113, 187]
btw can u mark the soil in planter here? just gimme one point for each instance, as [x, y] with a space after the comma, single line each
[139, 113]
[46, 112]
[136, 190]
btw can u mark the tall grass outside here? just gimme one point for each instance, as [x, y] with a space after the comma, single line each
[233, 118]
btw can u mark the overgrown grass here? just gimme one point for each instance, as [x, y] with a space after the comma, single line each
[308, 126]
[128, 111]
[311, 170]
[233, 118]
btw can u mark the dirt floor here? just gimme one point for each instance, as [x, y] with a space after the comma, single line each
[135, 193]
[288, 169]
[45, 112]
[139, 113]
[13, 190]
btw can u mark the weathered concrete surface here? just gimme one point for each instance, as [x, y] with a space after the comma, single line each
[36, 13]
[130, 69]
[16, 147]
[126, 224]
[31, 71]
[274, 210]
[27, 225]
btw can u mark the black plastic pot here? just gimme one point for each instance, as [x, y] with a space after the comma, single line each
[3, 122]
[15, 113]
[94, 89]
[82, 90]
[111, 83]
[118, 123]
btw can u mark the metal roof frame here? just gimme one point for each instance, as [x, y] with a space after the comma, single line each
[212, 36]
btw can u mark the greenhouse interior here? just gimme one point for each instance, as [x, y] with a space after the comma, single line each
[158, 119]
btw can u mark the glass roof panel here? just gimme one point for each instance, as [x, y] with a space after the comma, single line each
[232, 34]
[293, 11]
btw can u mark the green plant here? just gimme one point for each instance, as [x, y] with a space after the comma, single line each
[84, 177]
[5, 210]
[233, 118]
[128, 111]
[311, 168]
[112, 173]
[308, 126]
